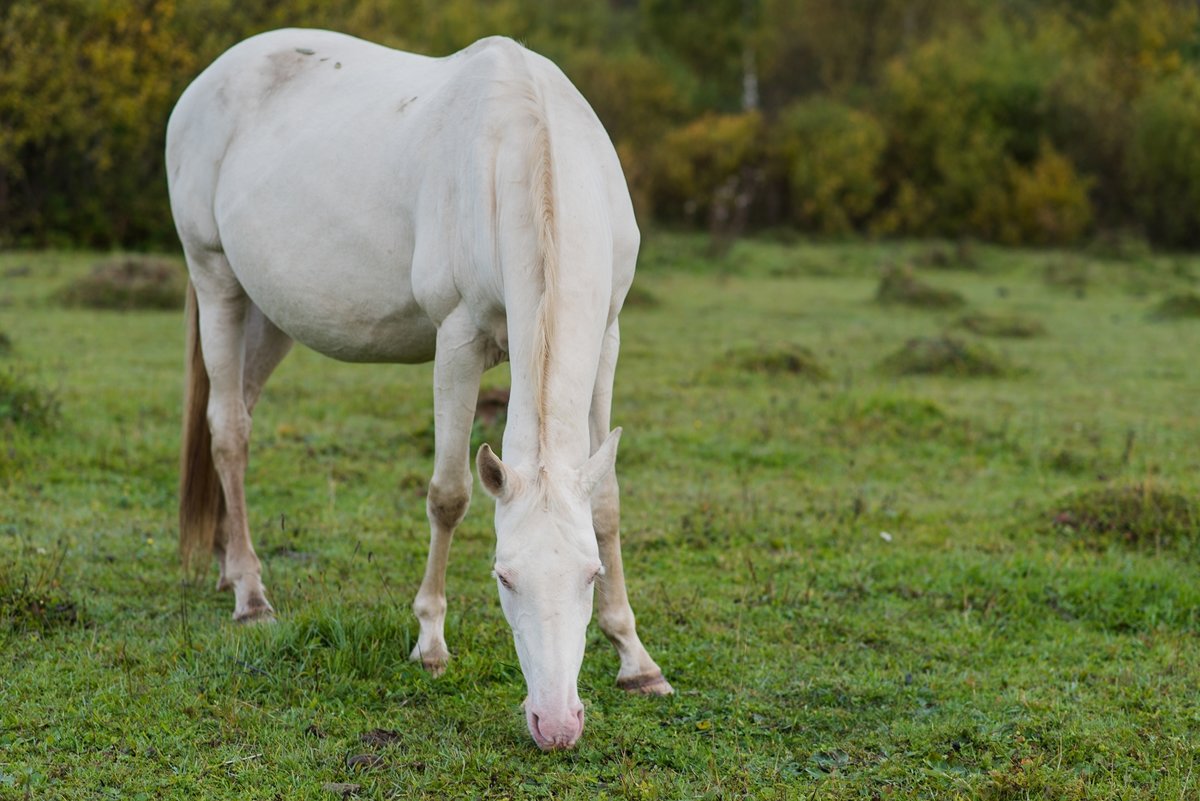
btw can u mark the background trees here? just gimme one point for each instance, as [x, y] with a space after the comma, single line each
[1032, 121]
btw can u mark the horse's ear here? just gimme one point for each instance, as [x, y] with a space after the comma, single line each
[494, 475]
[601, 463]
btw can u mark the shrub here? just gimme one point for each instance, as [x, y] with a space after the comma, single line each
[128, 283]
[831, 155]
[963, 112]
[698, 162]
[1050, 200]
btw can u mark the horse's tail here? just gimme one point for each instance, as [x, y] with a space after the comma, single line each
[200, 496]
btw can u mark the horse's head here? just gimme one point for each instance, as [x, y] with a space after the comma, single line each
[547, 563]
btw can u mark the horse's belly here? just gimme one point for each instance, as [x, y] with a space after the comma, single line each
[350, 307]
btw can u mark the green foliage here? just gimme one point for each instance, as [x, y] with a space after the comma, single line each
[1031, 121]
[84, 92]
[699, 162]
[832, 155]
[1050, 201]
[963, 112]
[1165, 159]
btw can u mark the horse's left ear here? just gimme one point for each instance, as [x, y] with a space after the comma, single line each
[601, 463]
[494, 475]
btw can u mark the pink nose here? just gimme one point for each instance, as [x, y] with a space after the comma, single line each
[553, 732]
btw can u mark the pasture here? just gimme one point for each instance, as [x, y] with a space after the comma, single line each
[864, 578]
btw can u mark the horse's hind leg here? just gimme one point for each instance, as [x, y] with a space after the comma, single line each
[458, 365]
[265, 348]
[223, 309]
[638, 672]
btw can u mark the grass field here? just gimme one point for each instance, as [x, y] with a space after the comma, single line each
[862, 585]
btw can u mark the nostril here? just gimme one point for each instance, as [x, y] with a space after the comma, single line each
[579, 718]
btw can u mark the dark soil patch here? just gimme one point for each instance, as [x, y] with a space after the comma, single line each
[1185, 305]
[26, 404]
[900, 286]
[1009, 326]
[784, 358]
[6, 344]
[364, 761]
[128, 283]
[1141, 515]
[379, 738]
[945, 355]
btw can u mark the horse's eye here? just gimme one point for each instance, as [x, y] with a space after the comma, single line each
[504, 580]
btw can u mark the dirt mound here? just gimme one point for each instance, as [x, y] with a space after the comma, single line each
[128, 283]
[1139, 515]
[901, 286]
[784, 358]
[944, 355]
[1183, 306]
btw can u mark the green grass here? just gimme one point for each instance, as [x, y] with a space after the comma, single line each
[862, 587]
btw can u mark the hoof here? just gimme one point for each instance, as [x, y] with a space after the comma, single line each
[255, 614]
[434, 662]
[646, 684]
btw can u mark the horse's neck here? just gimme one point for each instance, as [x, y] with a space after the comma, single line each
[548, 425]
[556, 251]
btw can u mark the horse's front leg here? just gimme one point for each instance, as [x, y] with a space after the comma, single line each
[458, 365]
[638, 672]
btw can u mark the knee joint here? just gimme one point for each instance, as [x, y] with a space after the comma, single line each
[447, 507]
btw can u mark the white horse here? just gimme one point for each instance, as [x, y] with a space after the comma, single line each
[380, 206]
